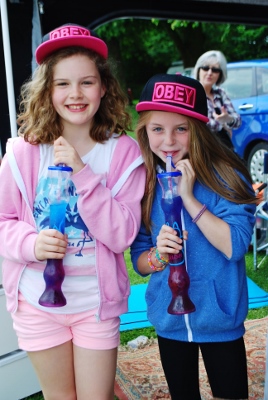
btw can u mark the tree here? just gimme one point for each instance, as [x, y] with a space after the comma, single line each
[141, 48]
[237, 42]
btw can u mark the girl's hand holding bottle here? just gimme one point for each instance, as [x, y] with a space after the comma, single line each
[168, 242]
[65, 153]
[187, 179]
[50, 243]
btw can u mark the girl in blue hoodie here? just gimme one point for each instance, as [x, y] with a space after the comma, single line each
[218, 214]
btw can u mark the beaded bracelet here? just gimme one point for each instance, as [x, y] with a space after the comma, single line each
[201, 212]
[160, 258]
[150, 263]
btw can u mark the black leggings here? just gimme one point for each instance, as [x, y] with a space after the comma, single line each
[225, 363]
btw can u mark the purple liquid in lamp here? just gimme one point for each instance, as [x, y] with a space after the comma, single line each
[54, 271]
[178, 280]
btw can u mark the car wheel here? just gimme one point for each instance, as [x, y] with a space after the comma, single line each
[255, 161]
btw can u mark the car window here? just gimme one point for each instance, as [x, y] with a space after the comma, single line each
[239, 83]
[262, 80]
[177, 66]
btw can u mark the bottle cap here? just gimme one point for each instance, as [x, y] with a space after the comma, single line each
[169, 174]
[60, 167]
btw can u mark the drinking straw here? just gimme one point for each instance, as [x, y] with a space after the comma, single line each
[169, 162]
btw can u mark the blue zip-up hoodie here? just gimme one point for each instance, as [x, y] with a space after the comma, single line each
[218, 285]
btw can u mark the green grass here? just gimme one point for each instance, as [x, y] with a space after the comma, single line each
[259, 276]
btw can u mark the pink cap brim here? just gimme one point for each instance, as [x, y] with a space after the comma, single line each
[89, 42]
[153, 106]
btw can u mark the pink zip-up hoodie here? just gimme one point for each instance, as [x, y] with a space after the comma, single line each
[112, 214]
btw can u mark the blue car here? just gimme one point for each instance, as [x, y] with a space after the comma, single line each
[247, 87]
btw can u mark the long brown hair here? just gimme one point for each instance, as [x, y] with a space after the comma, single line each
[214, 164]
[40, 123]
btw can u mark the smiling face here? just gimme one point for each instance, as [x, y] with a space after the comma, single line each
[168, 133]
[77, 90]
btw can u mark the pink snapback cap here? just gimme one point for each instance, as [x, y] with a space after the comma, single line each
[70, 35]
[174, 93]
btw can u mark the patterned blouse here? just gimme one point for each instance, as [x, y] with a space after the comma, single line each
[221, 99]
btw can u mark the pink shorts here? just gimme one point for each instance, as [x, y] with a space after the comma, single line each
[40, 330]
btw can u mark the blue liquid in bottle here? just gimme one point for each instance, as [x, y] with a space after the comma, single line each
[57, 216]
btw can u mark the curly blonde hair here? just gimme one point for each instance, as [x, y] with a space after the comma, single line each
[215, 165]
[40, 123]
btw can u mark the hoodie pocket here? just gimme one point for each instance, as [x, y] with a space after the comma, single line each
[216, 310]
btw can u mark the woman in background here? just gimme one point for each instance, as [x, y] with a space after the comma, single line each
[211, 71]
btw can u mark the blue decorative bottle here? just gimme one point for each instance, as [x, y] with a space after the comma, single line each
[178, 280]
[58, 198]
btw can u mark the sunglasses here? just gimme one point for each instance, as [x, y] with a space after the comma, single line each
[213, 69]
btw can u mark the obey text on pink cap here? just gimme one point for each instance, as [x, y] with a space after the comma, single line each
[66, 31]
[69, 35]
[174, 93]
